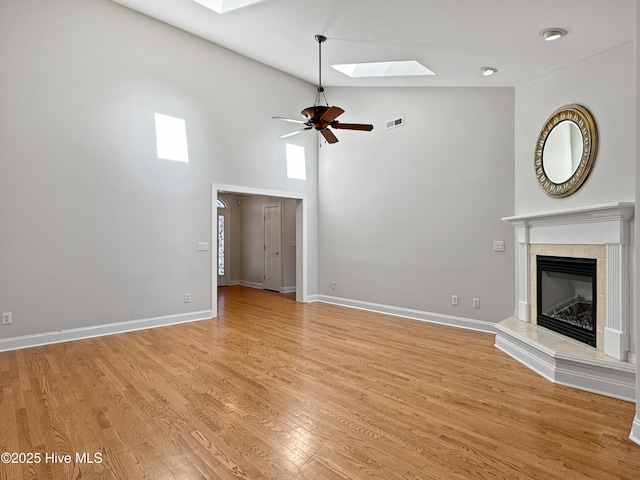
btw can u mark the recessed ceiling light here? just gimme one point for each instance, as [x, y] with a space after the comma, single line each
[224, 6]
[383, 69]
[550, 34]
[487, 71]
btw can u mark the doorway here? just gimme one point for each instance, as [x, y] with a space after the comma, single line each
[300, 242]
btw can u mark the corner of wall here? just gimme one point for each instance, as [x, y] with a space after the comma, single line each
[635, 430]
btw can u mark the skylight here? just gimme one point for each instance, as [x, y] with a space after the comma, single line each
[224, 6]
[383, 69]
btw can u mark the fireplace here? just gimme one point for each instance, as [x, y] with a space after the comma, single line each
[566, 296]
[600, 232]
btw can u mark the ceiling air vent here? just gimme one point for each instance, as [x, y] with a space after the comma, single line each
[398, 122]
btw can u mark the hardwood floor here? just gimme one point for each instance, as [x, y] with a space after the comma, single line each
[273, 389]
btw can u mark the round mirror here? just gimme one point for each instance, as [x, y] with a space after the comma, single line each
[566, 150]
[562, 151]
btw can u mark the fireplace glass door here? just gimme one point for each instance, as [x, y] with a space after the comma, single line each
[566, 293]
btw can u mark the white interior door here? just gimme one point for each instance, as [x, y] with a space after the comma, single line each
[272, 239]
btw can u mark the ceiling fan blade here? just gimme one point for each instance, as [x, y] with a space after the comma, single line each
[295, 132]
[331, 114]
[329, 136]
[288, 120]
[352, 126]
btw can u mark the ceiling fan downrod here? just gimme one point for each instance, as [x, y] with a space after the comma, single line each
[320, 39]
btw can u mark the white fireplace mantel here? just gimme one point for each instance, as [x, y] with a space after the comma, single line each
[607, 224]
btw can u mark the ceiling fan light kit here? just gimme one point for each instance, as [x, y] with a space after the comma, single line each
[322, 116]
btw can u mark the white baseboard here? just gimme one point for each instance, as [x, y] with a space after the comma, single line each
[257, 285]
[635, 429]
[288, 289]
[47, 338]
[460, 322]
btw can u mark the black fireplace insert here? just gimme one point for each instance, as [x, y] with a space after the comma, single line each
[566, 293]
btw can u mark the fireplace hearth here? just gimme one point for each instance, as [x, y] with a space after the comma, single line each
[566, 296]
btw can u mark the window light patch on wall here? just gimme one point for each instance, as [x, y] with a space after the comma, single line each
[171, 138]
[383, 69]
[224, 6]
[296, 162]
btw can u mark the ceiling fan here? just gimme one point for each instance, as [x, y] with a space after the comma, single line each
[320, 116]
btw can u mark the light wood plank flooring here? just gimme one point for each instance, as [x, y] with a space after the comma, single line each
[273, 389]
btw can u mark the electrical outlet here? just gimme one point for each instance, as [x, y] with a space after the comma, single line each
[333, 285]
[454, 299]
[203, 246]
[476, 303]
[498, 245]
[187, 297]
[7, 318]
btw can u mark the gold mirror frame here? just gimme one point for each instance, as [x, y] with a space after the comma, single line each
[587, 125]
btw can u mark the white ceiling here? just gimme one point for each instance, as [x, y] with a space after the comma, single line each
[454, 38]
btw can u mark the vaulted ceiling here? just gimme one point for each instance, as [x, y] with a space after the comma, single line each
[454, 38]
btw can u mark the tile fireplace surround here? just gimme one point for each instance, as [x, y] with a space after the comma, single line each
[601, 232]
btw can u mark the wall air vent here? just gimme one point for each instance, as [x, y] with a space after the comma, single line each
[398, 122]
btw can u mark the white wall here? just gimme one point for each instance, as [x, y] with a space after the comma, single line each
[94, 228]
[605, 85]
[408, 215]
